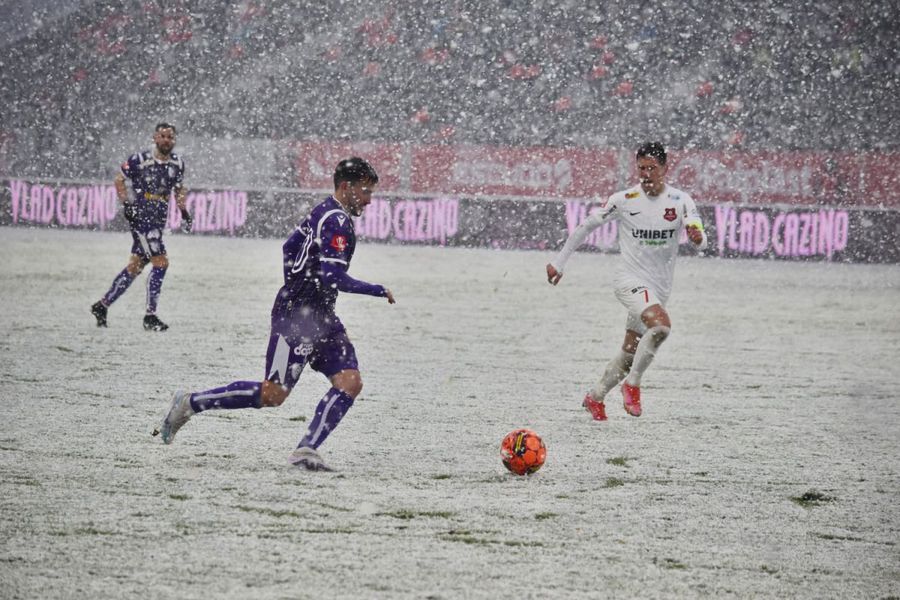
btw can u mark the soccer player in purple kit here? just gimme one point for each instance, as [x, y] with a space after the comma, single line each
[305, 329]
[154, 175]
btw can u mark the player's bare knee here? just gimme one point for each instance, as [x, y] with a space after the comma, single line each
[655, 316]
[273, 394]
[353, 387]
[349, 382]
[160, 262]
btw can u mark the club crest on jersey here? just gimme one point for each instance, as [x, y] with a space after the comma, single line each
[631, 195]
[339, 243]
[670, 214]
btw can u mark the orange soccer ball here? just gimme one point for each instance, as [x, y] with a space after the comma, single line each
[523, 451]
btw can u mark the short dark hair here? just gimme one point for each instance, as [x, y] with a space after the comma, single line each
[354, 169]
[165, 125]
[653, 150]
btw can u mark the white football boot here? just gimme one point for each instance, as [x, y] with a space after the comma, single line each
[307, 458]
[179, 413]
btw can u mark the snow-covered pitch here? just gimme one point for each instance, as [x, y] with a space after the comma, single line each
[765, 464]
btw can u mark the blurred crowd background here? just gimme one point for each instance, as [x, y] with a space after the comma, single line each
[816, 75]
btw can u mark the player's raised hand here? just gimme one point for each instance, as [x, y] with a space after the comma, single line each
[553, 276]
[695, 234]
[390, 296]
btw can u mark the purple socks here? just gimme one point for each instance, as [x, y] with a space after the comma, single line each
[240, 394]
[121, 283]
[154, 287]
[331, 409]
[247, 394]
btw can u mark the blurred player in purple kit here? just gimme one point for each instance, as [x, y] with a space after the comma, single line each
[153, 175]
[651, 216]
[305, 329]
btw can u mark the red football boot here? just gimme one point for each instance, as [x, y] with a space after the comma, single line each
[632, 399]
[597, 409]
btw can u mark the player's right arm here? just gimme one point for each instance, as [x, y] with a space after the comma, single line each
[128, 208]
[129, 169]
[609, 210]
[121, 190]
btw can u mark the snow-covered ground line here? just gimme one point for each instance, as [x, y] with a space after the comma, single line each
[779, 380]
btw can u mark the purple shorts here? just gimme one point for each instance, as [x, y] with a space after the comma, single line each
[147, 243]
[320, 342]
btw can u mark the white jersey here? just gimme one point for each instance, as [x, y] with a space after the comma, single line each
[649, 233]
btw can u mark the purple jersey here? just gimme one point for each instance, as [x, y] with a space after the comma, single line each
[316, 258]
[152, 180]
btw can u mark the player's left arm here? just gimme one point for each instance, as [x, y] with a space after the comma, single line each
[334, 244]
[693, 224]
[334, 273]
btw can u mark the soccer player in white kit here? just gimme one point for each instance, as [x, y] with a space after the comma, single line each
[651, 216]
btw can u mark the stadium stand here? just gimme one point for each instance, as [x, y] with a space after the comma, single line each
[809, 75]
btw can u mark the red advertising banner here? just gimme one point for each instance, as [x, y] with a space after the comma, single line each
[799, 178]
[516, 172]
[315, 163]
[788, 178]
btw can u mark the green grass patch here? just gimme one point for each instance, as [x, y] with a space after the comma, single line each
[812, 498]
[269, 512]
[412, 514]
[545, 515]
[334, 507]
[842, 538]
[469, 539]
[330, 530]
[440, 476]
[24, 480]
[300, 419]
[613, 482]
[179, 497]
[91, 530]
[671, 563]
[465, 537]
[618, 461]
[524, 544]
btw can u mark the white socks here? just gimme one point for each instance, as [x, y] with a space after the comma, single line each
[615, 372]
[645, 352]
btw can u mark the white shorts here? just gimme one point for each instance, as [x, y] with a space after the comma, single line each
[637, 298]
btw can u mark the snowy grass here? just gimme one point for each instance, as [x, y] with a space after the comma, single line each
[765, 465]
